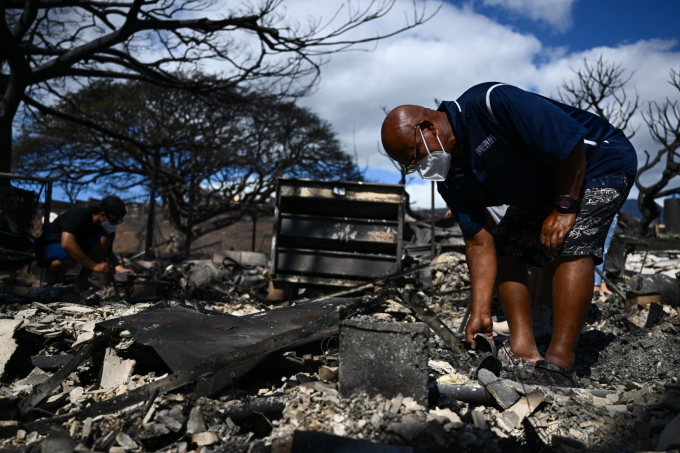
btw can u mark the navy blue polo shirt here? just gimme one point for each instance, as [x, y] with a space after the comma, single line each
[513, 142]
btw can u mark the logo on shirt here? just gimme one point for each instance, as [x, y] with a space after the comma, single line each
[486, 144]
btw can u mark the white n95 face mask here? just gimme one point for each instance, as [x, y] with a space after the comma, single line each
[436, 165]
[108, 227]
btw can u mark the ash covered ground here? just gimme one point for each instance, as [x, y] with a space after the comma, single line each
[628, 398]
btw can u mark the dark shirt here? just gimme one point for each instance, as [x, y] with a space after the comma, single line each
[513, 142]
[77, 221]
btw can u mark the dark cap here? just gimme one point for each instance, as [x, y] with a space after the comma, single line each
[113, 205]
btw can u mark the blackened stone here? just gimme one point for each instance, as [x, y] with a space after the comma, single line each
[384, 358]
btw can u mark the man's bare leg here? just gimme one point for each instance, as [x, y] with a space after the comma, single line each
[97, 254]
[572, 293]
[56, 270]
[514, 294]
[544, 285]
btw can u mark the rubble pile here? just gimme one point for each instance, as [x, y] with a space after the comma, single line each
[449, 272]
[55, 397]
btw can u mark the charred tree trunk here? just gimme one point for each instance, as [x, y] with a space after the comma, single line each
[5, 145]
[11, 92]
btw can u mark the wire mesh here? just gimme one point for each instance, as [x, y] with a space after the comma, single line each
[22, 203]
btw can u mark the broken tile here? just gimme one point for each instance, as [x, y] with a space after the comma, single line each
[617, 409]
[478, 419]
[83, 338]
[196, 423]
[504, 395]
[447, 415]
[441, 367]
[327, 373]
[157, 429]
[115, 371]
[319, 387]
[126, 441]
[525, 406]
[575, 433]
[76, 395]
[396, 404]
[411, 405]
[87, 429]
[75, 309]
[204, 438]
[170, 422]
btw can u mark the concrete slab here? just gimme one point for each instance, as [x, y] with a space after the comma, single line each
[384, 358]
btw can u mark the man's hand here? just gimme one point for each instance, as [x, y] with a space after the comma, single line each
[555, 230]
[120, 269]
[101, 268]
[478, 323]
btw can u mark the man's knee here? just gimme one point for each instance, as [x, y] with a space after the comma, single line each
[576, 261]
[105, 240]
[61, 266]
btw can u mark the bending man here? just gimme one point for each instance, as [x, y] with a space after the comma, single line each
[81, 236]
[564, 172]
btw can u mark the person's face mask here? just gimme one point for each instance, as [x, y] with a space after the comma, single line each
[108, 226]
[436, 165]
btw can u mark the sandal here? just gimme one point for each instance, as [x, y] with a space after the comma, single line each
[509, 360]
[550, 375]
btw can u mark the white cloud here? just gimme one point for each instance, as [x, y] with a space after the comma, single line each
[420, 195]
[556, 13]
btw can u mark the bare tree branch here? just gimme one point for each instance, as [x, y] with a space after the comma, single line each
[600, 89]
[48, 40]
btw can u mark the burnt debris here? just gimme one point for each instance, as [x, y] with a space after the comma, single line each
[290, 353]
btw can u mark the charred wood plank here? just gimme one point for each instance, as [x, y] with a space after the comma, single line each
[184, 377]
[431, 319]
[41, 391]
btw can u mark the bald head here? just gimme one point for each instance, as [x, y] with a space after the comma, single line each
[398, 132]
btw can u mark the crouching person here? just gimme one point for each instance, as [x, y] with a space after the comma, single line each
[81, 236]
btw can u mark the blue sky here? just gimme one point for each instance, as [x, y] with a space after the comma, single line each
[597, 22]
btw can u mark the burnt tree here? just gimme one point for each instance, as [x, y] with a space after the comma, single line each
[49, 45]
[663, 122]
[235, 145]
[600, 89]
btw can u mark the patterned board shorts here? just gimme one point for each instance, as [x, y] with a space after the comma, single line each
[519, 232]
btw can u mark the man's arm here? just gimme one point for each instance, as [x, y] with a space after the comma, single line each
[70, 245]
[480, 252]
[117, 266]
[570, 176]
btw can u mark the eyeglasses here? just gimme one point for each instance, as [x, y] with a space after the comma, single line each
[113, 221]
[413, 166]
